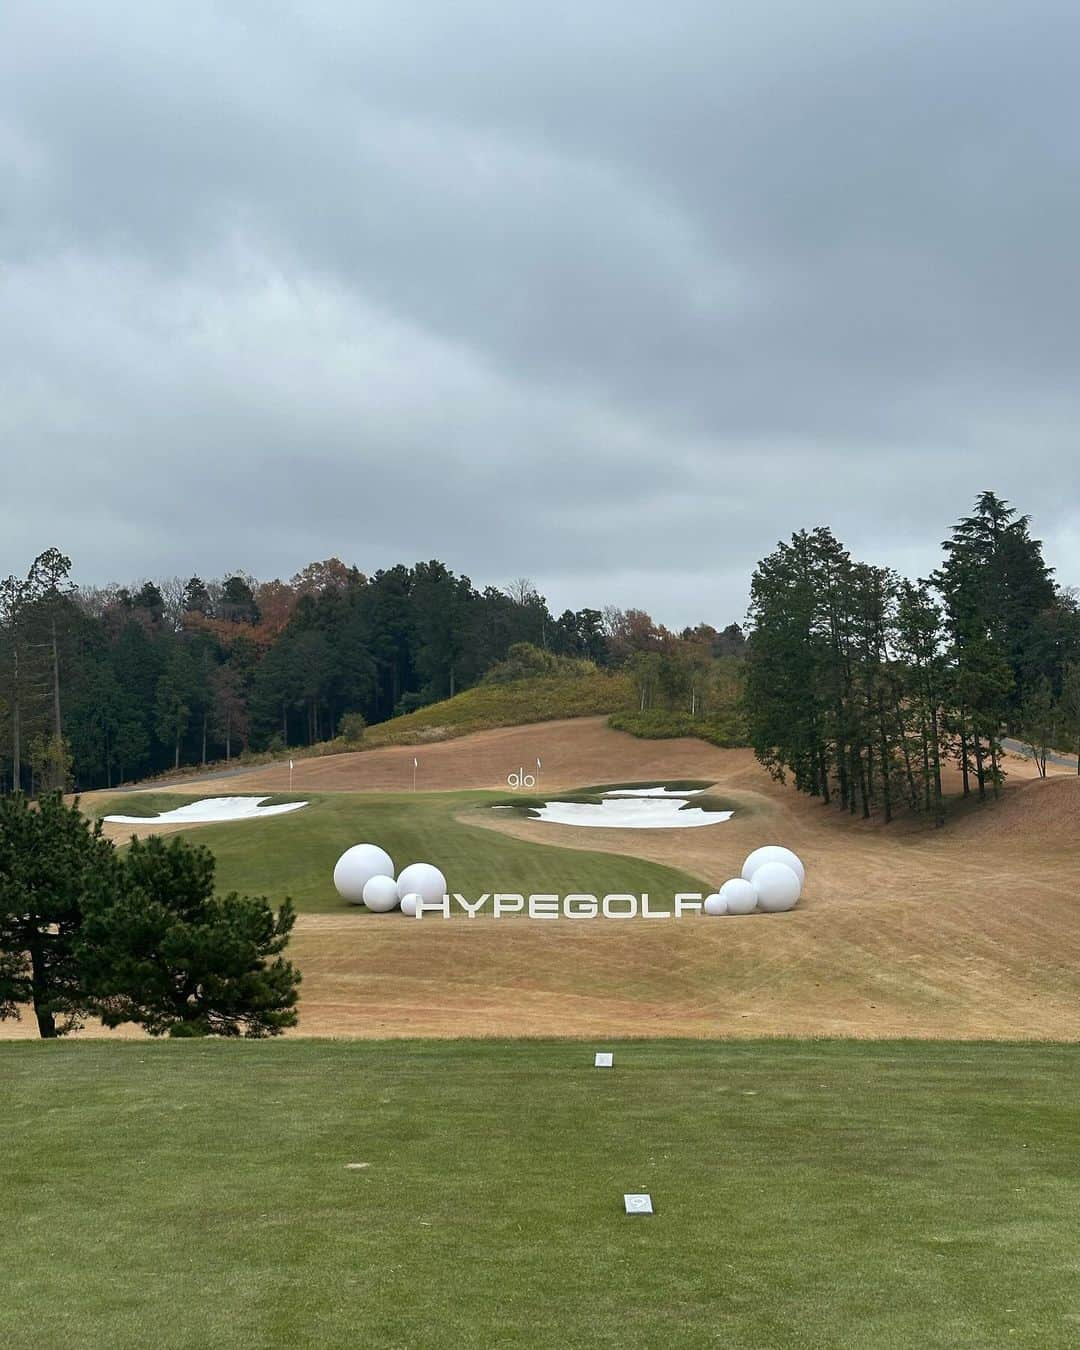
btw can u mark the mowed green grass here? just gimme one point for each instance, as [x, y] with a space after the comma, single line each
[809, 1194]
[294, 854]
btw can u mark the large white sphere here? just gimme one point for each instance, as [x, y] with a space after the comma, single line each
[773, 853]
[380, 894]
[409, 903]
[739, 896]
[356, 867]
[777, 887]
[424, 880]
[715, 904]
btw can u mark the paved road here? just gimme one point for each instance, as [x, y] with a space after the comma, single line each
[1019, 748]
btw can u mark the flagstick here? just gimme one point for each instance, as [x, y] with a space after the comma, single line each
[414, 773]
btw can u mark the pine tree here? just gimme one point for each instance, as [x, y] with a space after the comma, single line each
[167, 953]
[53, 866]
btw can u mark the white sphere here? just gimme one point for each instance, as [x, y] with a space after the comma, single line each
[424, 880]
[356, 867]
[777, 887]
[715, 904]
[773, 853]
[409, 903]
[739, 896]
[380, 894]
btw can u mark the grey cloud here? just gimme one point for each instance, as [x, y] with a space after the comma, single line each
[611, 295]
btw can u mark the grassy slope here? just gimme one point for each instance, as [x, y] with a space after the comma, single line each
[295, 854]
[505, 705]
[809, 1195]
[482, 708]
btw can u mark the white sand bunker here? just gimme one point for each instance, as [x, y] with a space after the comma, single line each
[211, 809]
[632, 812]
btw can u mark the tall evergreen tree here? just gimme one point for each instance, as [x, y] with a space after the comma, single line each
[54, 865]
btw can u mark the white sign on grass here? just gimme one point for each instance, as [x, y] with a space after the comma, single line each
[638, 1204]
[604, 1059]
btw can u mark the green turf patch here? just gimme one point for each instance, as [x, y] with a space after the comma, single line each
[294, 854]
[809, 1194]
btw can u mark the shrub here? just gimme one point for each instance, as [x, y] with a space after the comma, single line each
[724, 727]
[524, 661]
[351, 728]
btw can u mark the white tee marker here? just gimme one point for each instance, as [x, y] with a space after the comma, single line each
[604, 1059]
[638, 1204]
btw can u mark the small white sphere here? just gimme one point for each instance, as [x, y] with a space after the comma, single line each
[356, 867]
[777, 887]
[409, 903]
[739, 896]
[715, 904]
[773, 853]
[380, 894]
[424, 880]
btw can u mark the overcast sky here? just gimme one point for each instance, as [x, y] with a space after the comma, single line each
[610, 295]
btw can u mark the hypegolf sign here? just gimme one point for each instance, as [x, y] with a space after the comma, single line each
[618, 905]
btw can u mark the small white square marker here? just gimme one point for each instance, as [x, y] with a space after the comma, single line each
[638, 1204]
[604, 1059]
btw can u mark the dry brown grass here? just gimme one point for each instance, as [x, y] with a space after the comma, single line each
[970, 931]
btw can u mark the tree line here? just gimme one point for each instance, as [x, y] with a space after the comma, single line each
[100, 685]
[863, 686]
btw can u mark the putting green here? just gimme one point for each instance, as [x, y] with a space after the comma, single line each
[294, 854]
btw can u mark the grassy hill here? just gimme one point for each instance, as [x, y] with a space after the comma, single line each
[486, 706]
[451, 1194]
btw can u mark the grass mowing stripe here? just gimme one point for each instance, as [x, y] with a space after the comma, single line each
[809, 1194]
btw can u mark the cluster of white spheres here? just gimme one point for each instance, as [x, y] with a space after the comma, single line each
[364, 875]
[772, 881]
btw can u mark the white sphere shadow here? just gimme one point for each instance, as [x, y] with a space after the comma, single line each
[773, 853]
[777, 886]
[739, 896]
[355, 868]
[424, 880]
[381, 895]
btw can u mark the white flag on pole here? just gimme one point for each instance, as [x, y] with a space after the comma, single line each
[415, 762]
[290, 766]
[538, 764]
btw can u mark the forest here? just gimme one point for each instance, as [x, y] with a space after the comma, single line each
[860, 686]
[863, 687]
[101, 685]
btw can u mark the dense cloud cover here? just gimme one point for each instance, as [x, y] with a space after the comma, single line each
[610, 295]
